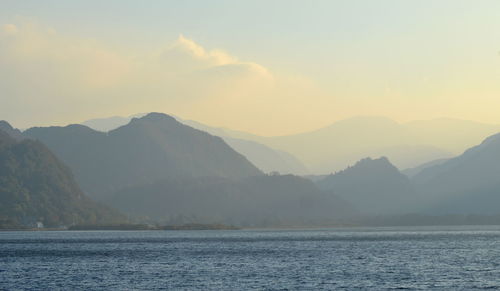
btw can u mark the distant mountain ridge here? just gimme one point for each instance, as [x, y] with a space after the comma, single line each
[263, 157]
[468, 184]
[12, 132]
[411, 172]
[36, 187]
[407, 145]
[374, 186]
[109, 123]
[149, 148]
[344, 142]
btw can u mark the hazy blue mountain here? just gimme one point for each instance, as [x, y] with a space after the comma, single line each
[221, 131]
[109, 123]
[262, 156]
[411, 172]
[36, 187]
[334, 147]
[407, 145]
[12, 132]
[265, 158]
[263, 200]
[374, 186]
[147, 149]
[469, 183]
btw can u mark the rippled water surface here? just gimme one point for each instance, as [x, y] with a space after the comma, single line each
[460, 258]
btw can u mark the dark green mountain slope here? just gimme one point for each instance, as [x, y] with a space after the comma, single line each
[35, 186]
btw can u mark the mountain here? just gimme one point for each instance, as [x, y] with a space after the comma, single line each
[147, 149]
[344, 142]
[36, 187]
[469, 183]
[411, 172]
[12, 132]
[373, 186]
[259, 201]
[220, 131]
[407, 145]
[263, 157]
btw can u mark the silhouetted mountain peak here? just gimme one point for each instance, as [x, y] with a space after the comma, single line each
[264, 157]
[374, 185]
[79, 128]
[5, 125]
[11, 131]
[380, 161]
[154, 121]
[377, 166]
[157, 116]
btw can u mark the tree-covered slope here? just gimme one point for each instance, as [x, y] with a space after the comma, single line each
[36, 187]
[265, 200]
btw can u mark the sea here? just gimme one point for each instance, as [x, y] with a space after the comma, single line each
[411, 258]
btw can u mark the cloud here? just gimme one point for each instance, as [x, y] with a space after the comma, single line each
[48, 78]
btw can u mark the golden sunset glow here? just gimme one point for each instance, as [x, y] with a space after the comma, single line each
[417, 65]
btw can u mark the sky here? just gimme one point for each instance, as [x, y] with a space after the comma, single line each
[266, 67]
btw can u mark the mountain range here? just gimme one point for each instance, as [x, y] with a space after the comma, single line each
[263, 157]
[407, 145]
[159, 169]
[464, 185]
[147, 149]
[335, 147]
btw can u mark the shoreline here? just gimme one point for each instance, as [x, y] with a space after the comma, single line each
[281, 228]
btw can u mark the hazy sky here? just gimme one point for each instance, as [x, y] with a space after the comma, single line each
[268, 67]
